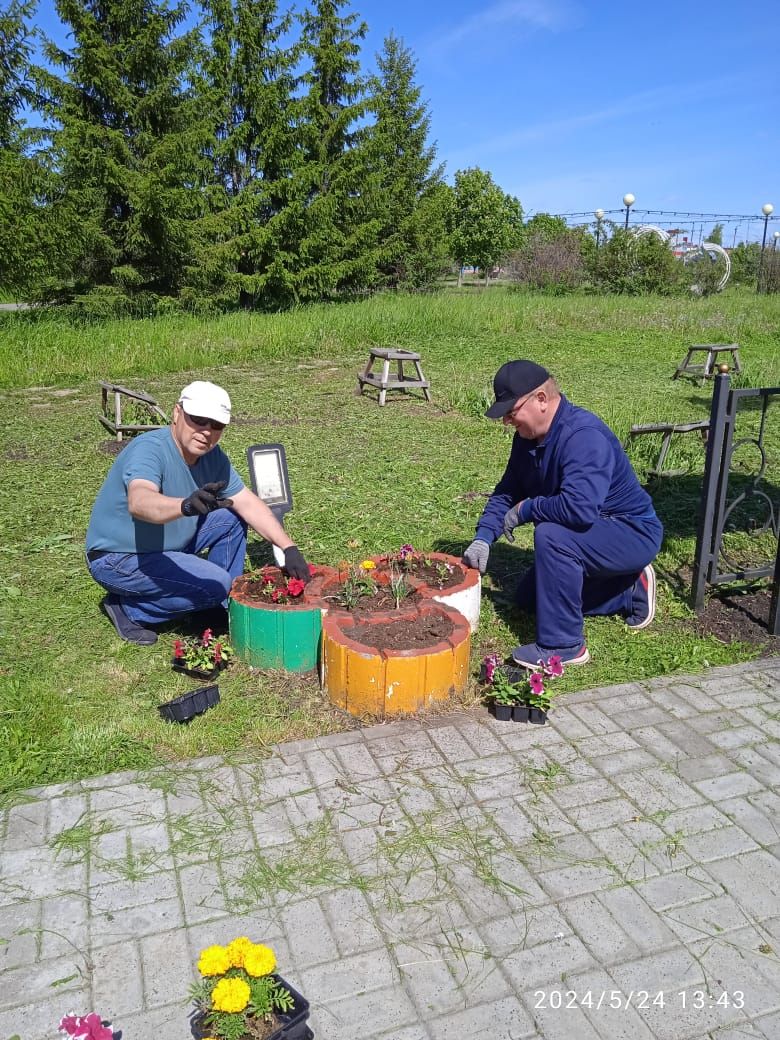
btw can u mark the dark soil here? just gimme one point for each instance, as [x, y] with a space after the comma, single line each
[380, 602]
[739, 617]
[429, 574]
[414, 633]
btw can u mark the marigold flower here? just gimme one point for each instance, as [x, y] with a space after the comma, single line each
[214, 960]
[368, 565]
[236, 950]
[230, 995]
[259, 960]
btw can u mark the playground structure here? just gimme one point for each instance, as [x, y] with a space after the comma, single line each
[691, 253]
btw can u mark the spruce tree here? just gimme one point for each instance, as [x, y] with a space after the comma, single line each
[248, 76]
[24, 180]
[126, 137]
[330, 233]
[409, 196]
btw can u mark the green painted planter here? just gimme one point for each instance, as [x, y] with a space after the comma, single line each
[273, 635]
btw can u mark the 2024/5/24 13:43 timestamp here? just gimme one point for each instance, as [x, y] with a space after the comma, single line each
[695, 1000]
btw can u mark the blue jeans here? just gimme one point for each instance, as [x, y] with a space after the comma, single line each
[590, 572]
[155, 587]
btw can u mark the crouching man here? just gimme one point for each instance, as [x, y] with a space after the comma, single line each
[171, 496]
[595, 529]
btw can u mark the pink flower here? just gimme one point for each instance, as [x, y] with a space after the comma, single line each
[312, 569]
[217, 653]
[85, 1027]
[554, 667]
[536, 682]
[405, 550]
[491, 663]
[178, 649]
[207, 637]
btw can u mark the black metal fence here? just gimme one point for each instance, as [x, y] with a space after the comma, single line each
[713, 562]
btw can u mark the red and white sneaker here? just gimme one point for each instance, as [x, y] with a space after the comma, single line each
[642, 600]
[534, 656]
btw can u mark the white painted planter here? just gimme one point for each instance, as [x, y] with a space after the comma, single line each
[465, 597]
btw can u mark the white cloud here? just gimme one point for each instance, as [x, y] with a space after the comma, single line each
[659, 98]
[550, 15]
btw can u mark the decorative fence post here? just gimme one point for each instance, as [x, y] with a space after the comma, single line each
[712, 474]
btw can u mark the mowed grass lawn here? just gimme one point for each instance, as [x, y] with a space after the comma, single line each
[75, 701]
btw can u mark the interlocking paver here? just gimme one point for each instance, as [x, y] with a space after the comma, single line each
[428, 879]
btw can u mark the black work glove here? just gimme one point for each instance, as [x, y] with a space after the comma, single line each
[205, 499]
[295, 565]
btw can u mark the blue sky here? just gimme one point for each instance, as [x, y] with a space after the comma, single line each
[572, 104]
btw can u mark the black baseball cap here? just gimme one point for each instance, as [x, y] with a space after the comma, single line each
[512, 381]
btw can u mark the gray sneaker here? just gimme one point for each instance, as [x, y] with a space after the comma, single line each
[126, 629]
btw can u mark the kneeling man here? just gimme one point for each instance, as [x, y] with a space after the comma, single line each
[595, 529]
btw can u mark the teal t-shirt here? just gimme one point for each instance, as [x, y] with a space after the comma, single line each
[154, 456]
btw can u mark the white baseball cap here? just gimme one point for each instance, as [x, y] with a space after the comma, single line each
[207, 400]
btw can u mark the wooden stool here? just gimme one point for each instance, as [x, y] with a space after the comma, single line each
[384, 383]
[705, 370]
[668, 430]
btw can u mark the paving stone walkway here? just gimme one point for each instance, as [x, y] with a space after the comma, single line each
[611, 875]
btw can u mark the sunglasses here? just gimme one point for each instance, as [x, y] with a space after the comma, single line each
[202, 422]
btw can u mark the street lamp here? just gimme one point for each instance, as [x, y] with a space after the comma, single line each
[628, 202]
[767, 209]
[599, 215]
[775, 236]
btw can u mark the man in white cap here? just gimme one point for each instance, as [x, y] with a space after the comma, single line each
[170, 496]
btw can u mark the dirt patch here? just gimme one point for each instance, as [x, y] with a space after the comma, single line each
[112, 447]
[732, 616]
[415, 633]
[20, 454]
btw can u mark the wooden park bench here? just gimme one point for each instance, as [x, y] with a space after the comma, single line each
[111, 395]
[667, 431]
[706, 368]
[385, 382]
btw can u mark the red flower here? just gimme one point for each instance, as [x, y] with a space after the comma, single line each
[275, 595]
[295, 586]
[312, 569]
[178, 649]
[207, 637]
[217, 653]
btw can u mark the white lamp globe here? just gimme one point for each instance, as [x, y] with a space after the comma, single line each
[598, 213]
[767, 209]
[628, 200]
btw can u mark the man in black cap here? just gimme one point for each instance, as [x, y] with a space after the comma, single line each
[595, 529]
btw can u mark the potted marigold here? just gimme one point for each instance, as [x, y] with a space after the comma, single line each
[201, 658]
[240, 996]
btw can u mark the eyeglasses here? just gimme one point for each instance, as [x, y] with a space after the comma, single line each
[517, 407]
[202, 422]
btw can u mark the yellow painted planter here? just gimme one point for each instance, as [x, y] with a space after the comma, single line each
[366, 681]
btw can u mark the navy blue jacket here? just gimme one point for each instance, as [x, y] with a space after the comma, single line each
[579, 472]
